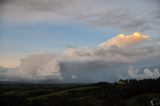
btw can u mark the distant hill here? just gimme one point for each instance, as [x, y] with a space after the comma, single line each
[123, 93]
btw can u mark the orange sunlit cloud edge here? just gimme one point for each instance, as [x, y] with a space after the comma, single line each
[122, 40]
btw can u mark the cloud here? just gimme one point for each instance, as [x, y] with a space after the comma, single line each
[78, 52]
[102, 63]
[116, 14]
[122, 40]
[37, 67]
[144, 74]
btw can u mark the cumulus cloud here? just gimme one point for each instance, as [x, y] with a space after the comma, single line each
[37, 67]
[108, 61]
[144, 74]
[121, 40]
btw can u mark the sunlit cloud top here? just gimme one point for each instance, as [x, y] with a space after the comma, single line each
[122, 40]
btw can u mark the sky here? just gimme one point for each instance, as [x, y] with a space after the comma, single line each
[79, 40]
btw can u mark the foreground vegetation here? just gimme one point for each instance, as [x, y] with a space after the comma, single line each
[122, 93]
